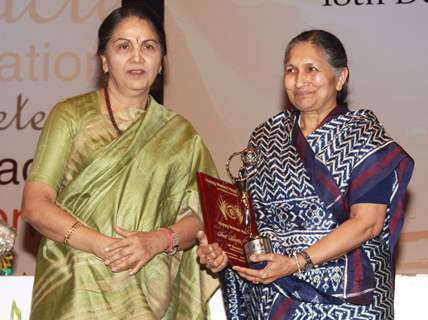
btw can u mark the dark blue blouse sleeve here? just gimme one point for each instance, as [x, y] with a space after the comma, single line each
[380, 193]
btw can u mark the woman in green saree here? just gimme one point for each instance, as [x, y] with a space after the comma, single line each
[113, 191]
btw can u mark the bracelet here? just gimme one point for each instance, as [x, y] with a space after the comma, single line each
[299, 268]
[173, 241]
[309, 265]
[68, 233]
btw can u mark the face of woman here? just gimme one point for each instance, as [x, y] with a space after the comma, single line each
[310, 81]
[133, 56]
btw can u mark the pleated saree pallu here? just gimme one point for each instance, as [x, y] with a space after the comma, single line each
[140, 181]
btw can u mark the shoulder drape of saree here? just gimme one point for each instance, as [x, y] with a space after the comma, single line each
[141, 181]
[379, 163]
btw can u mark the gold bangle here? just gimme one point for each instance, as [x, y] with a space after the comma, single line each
[73, 228]
[299, 268]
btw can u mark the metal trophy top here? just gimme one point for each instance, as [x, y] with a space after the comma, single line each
[248, 157]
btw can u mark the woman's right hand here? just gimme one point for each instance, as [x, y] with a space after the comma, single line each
[211, 255]
[39, 208]
[99, 245]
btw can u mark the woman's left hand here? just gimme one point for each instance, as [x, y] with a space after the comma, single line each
[134, 250]
[277, 266]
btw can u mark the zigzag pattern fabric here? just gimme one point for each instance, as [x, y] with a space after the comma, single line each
[301, 189]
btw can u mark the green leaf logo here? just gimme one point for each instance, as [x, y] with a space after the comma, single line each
[15, 312]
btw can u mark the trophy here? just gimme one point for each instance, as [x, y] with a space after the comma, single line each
[228, 214]
[7, 240]
[256, 243]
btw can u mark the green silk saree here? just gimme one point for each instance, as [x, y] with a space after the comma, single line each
[141, 181]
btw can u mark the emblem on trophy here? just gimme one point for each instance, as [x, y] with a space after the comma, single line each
[256, 243]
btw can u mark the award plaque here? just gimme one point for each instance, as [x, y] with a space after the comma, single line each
[228, 213]
[224, 217]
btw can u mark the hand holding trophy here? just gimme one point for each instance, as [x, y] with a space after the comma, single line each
[228, 214]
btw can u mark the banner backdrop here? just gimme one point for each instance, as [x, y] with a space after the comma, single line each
[226, 68]
[225, 75]
[47, 53]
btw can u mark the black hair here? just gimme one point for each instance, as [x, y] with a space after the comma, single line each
[334, 51]
[110, 23]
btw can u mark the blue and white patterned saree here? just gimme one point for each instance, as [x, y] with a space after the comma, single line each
[302, 189]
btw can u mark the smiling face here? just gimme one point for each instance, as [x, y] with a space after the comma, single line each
[310, 81]
[133, 56]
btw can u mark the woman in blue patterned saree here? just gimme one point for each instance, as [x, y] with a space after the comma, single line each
[113, 191]
[328, 190]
